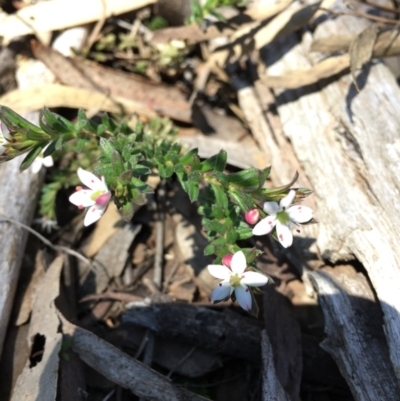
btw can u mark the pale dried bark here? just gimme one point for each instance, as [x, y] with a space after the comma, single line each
[39, 382]
[349, 147]
[272, 389]
[17, 201]
[353, 324]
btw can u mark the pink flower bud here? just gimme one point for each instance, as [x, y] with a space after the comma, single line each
[252, 216]
[227, 259]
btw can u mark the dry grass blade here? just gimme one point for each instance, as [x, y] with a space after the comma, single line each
[361, 50]
[297, 78]
[122, 369]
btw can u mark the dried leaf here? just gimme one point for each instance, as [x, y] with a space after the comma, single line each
[114, 84]
[36, 18]
[361, 50]
[295, 79]
[55, 95]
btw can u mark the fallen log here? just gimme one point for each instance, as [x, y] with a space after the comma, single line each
[356, 340]
[348, 145]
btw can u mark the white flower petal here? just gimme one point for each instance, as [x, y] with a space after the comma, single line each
[238, 262]
[5, 131]
[264, 226]
[285, 236]
[221, 291]
[48, 161]
[90, 180]
[271, 208]
[243, 297]
[2, 149]
[37, 165]
[82, 198]
[219, 271]
[93, 214]
[287, 200]
[300, 214]
[254, 279]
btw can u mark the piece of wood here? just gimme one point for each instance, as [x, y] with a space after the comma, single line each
[284, 337]
[206, 328]
[17, 201]
[38, 380]
[353, 324]
[122, 369]
[272, 389]
[349, 146]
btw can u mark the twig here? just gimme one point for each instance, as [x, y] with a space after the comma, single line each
[115, 296]
[159, 256]
[57, 248]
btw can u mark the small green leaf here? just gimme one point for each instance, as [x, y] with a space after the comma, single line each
[215, 163]
[30, 157]
[107, 146]
[249, 179]
[127, 210]
[220, 195]
[15, 122]
[209, 249]
[192, 188]
[244, 232]
[242, 199]
[80, 144]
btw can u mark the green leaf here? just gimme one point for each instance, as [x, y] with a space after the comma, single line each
[192, 188]
[15, 122]
[166, 170]
[30, 157]
[220, 195]
[242, 199]
[125, 177]
[215, 163]
[107, 147]
[209, 249]
[231, 236]
[37, 136]
[249, 179]
[127, 210]
[244, 232]
[80, 144]
[54, 124]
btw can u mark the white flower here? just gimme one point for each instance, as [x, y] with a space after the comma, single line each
[97, 196]
[4, 137]
[236, 279]
[41, 161]
[284, 217]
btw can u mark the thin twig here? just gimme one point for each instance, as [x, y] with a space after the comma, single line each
[159, 256]
[57, 248]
